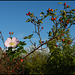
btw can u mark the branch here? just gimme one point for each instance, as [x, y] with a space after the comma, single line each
[31, 42]
[2, 39]
[34, 51]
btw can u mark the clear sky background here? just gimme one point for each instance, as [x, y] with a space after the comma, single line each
[13, 18]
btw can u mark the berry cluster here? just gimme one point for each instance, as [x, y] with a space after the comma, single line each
[11, 33]
[49, 10]
[67, 22]
[53, 18]
[28, 13]
[66, 5]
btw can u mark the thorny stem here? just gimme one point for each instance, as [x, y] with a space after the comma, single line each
[34, 51]
[37, 48]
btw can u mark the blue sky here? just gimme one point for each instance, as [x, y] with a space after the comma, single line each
[13, 18]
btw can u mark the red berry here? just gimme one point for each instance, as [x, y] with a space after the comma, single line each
[13, 58]
[52, 10]
[68, 43]
[52, 30]
[61, 20]
[29, 13]
[67, 23]
[62, 34]
[31, 21]
[4, 55]
[49, 9]
[56, 45]
[42, 27]
[67, 6]
[21, 60]
[68, 40]
[68, 19]
[0, 47]
[65, 26]
[12, 70]
[12, 32]
[52, 18]
[17, 67]
[64, 4]
[9, 32]
[63, 40]
[60, 17]
[42, 41]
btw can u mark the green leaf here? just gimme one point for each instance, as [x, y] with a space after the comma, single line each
[15, 55]
[71, 11]
[19, 48]
[50, 33]
[31, 15]
[55, 9]
[40, 21]
[42, 13]
[18, 45]
[22, 43]
[55, 13]
[60, 3]
[56, 34]
[73, 19]
[39, 41]
[11, 58]
[9, 51]
[25, 37]
[28, 20]
[30, 36]
[24, 51]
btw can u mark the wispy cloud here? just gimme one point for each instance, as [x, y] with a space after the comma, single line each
[35, 39]
[20, 36]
